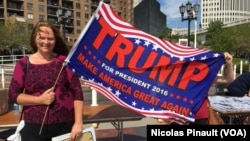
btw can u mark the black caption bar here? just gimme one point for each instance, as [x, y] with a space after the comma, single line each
[218, 132]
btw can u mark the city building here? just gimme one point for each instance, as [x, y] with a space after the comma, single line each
[72, 18]
[136, 2]
[149, 18]
[226, 11]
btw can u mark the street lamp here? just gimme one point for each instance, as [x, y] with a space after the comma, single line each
[192, 12]
[63, 19]
[170, 34]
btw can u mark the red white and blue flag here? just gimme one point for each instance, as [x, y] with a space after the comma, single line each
[141, 72]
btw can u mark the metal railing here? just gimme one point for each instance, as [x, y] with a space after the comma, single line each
[7, 65]
[10, 59]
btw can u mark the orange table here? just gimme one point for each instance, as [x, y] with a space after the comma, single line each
[10, 119]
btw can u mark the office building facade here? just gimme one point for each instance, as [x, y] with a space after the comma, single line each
[149, 18]
[80, 11]
[226, 11]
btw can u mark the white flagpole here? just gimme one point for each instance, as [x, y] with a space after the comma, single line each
[195, 34]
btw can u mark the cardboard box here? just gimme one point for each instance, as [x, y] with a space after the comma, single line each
[4, 104]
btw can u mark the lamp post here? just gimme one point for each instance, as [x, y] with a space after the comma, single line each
[63, 19]
[170, 34]
[192, 12]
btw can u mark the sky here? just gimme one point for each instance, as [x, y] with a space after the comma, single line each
[171, 9]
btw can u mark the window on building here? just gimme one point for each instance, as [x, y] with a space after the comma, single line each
[78, 23]
[41, 8]
[29, 6]
[30, 16]
[41, 0]
[41, 18]
[52, 20]
[78, 6]
[78, 31]
[86, 16]
[86, 7]
[78, 14]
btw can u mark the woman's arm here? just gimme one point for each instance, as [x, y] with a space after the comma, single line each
[229, 76]
[78, 125]
[229, 72]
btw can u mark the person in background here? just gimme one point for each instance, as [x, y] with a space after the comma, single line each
[201, 117]
[240, 86]
[53, 97]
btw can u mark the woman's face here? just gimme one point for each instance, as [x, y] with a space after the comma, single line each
[45, 40]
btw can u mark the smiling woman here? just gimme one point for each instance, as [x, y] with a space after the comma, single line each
[53, 95]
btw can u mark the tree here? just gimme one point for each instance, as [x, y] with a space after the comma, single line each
[166, 34]
[214, 31]
[14, 35]
[231, 39]
[241, 44]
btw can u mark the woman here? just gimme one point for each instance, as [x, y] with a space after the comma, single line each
[53, 98]
[240, 86]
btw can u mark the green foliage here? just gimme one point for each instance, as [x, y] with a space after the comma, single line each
[245, 68]
[14, 35]
[232, 39]
[245, 64]
[165, 33]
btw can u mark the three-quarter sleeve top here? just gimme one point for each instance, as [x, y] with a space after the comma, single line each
[37, 78]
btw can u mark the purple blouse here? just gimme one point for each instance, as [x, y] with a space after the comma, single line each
[40, 77]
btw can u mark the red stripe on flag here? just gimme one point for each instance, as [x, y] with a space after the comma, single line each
[129, 31]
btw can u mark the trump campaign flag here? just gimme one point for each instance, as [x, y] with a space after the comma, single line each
[141, 72]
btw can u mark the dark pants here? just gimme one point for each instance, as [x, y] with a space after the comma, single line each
[30, 132]
[5, 134]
